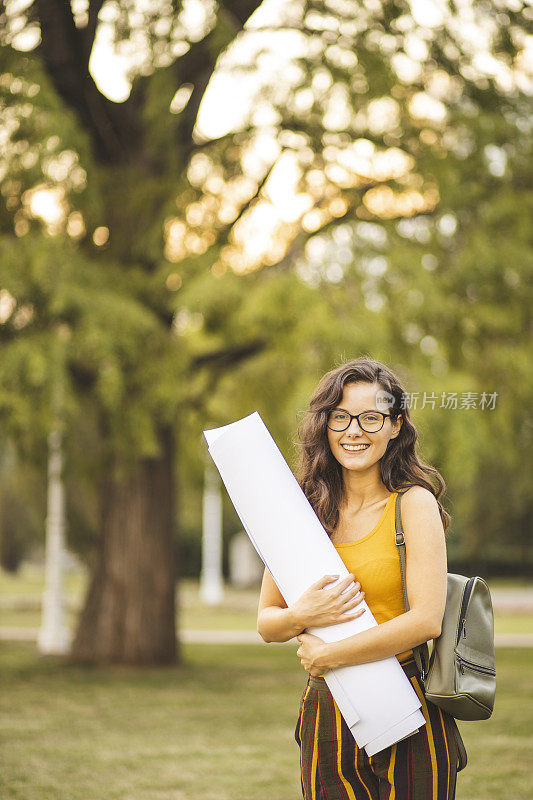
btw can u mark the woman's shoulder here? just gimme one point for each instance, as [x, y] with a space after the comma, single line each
[415, 490]
[419, 504]
[418, 498]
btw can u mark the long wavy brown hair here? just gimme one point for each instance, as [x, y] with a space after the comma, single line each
[320, 474]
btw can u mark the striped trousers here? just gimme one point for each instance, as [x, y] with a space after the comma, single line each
[422, 767]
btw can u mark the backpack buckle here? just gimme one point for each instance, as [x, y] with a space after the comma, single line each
[399, 538]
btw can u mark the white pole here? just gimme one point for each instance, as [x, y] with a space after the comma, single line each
[211, 583]
[54, 637]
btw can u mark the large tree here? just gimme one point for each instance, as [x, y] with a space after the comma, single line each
[136, 157]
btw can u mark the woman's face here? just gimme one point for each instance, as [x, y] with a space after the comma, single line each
[346, 445]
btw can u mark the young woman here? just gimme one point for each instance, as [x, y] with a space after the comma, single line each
[357, 451]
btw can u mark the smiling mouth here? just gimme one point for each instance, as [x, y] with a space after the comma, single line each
[357, 448]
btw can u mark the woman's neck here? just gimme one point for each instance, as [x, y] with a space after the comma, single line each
[362, 489]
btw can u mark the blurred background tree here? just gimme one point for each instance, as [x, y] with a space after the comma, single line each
[363, 186]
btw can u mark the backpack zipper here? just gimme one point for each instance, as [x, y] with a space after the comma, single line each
[475, 667]
[464, 605]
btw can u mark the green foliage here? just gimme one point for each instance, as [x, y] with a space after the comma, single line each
[101, 338]
[83, 332]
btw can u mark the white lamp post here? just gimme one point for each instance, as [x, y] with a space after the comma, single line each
[211, 583]
[54, 637]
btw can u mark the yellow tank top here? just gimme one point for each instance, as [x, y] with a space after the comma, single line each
[374, 561]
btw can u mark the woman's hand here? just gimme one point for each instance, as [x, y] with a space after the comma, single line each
[313, 654]
[318, 606]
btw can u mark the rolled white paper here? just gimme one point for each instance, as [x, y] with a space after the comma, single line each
[376, 699]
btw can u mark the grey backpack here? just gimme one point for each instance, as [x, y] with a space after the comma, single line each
[460, 675]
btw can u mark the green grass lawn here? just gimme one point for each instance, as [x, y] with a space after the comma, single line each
[220, 727]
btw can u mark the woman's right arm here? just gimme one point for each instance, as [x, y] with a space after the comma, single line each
[318, 606]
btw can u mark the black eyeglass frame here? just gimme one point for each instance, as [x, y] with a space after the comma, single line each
[356, 416]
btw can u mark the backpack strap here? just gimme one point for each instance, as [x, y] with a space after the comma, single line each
[421, 652]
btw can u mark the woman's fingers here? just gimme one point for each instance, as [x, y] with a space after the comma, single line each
[323, 581]
[356, 614]
[330, 606]
[354, 601]
[351, 592]
[347, 588]
[350, 578]
[343, 585]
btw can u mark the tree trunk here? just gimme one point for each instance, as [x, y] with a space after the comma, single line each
[129, 613]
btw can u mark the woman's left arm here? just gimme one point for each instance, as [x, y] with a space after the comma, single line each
[426, 590]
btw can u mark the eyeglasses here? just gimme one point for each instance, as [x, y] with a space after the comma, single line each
[368, 421]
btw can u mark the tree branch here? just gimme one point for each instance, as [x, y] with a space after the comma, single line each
[299, 241]
[90, 31]
[239, 11]
[63, 49]
[197, 65]
[246, 206]
[228, 356]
